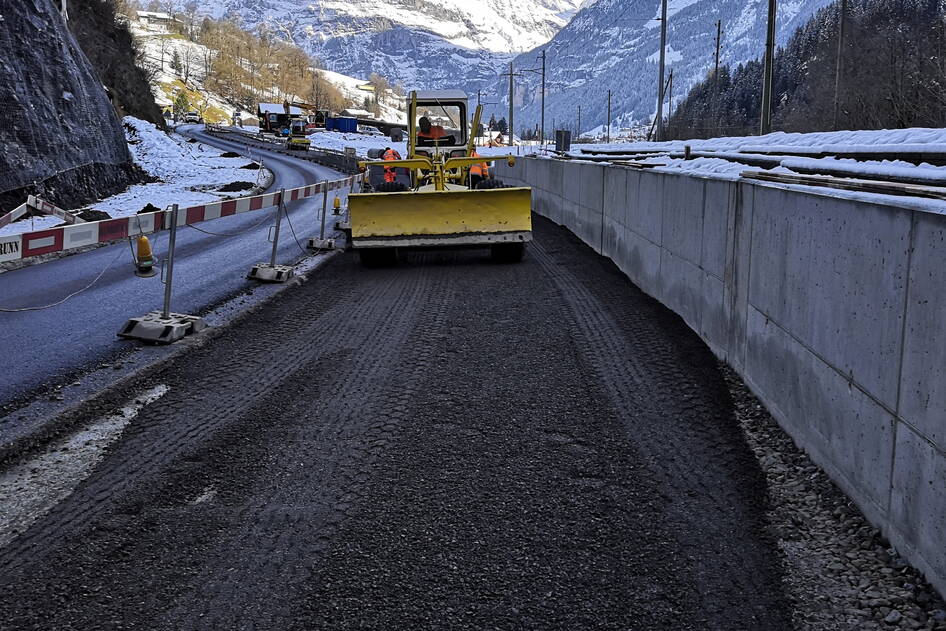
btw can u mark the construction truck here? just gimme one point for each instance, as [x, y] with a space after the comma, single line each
[438, 206]
[314, 117]
[295, 130]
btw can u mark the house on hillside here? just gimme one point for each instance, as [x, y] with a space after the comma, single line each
[154, 18]
[357, 113]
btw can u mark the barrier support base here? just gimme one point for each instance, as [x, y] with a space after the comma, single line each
[266, 273]
[343, 225]
[159, 330]
[321, 244]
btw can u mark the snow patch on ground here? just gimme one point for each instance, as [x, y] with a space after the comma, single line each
[188, 174]
[29, 490]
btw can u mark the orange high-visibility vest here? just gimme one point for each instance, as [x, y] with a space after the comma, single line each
[436, 131]
[390, 173]
[480, 168]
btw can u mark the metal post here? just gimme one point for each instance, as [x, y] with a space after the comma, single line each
[279, 208]
[719, 37]
[172, 238]
[609, 116]
[719, 42]
[837, 70]
[670, 96]
[510, 127]
[663, 62]
[765, 125]
[324, 208]
[542, 133]
[578, 131]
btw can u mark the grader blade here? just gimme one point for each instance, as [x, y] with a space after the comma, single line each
[440, 218]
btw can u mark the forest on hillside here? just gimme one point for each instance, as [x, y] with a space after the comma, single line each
[242, 67]
[892, 75]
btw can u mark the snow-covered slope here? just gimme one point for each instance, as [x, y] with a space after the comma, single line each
[433, 43]
[614, 44]
[160, 47]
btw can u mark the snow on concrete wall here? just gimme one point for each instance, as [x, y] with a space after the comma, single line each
[833, 311]
[57, 119]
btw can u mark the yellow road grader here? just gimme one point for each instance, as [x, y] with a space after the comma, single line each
[441, 206]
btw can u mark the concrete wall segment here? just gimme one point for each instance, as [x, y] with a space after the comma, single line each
[923, 378]
[717, 206]
[682, 229]
[837, 423]
[644, 218]
[833, 273]
[918, 502]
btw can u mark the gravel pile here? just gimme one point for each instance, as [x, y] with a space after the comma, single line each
[839, 570]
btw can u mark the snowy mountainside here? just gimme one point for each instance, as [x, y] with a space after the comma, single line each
[160, 47]
[614, 44]
[429, 43]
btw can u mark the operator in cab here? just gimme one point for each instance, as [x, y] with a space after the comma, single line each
[428, 131]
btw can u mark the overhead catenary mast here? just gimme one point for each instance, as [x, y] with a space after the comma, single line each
[663, 63]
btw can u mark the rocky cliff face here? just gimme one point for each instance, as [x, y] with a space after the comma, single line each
[60, 135]
[110, 47]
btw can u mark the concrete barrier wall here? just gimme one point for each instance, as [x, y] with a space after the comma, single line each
[832, 310]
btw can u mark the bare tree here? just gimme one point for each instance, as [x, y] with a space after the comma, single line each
[163, 45]
[189, 60]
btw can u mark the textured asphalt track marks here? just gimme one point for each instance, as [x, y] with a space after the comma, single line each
[447, 444]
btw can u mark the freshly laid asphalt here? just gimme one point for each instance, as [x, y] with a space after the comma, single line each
[46, 348]
[448, 444]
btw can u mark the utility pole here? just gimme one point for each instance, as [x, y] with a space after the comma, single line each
[765, 126]
[663, 62]
[578, 131]
[510, 129]
[542, 134]
[609, 117]
[837, 70]
[719, 39]
[670, 96]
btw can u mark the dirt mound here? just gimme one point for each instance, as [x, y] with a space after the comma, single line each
[233, 187]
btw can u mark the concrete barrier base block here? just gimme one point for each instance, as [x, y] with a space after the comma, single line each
[266, 273]
[321, 244]
[160, 330]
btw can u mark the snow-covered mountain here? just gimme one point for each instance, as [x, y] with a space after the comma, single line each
[430, 43]
[614, 45]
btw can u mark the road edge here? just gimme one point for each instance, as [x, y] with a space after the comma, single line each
[46, 420]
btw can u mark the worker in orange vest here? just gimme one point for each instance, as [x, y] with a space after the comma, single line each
[390, 173]
[428, 131]
[478, 172]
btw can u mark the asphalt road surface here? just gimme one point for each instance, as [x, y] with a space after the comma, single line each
[449, 444]
[46, 347]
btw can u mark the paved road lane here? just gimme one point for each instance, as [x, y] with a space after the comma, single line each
[42, 347]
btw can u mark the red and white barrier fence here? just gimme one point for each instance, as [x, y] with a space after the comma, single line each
[40, 205]
[62, 238]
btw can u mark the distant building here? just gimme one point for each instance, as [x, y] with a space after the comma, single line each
[356, 113]
[153, 18]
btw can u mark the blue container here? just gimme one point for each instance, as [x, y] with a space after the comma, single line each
[339, 123]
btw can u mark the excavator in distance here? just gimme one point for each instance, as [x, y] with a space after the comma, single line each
[439, 207]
